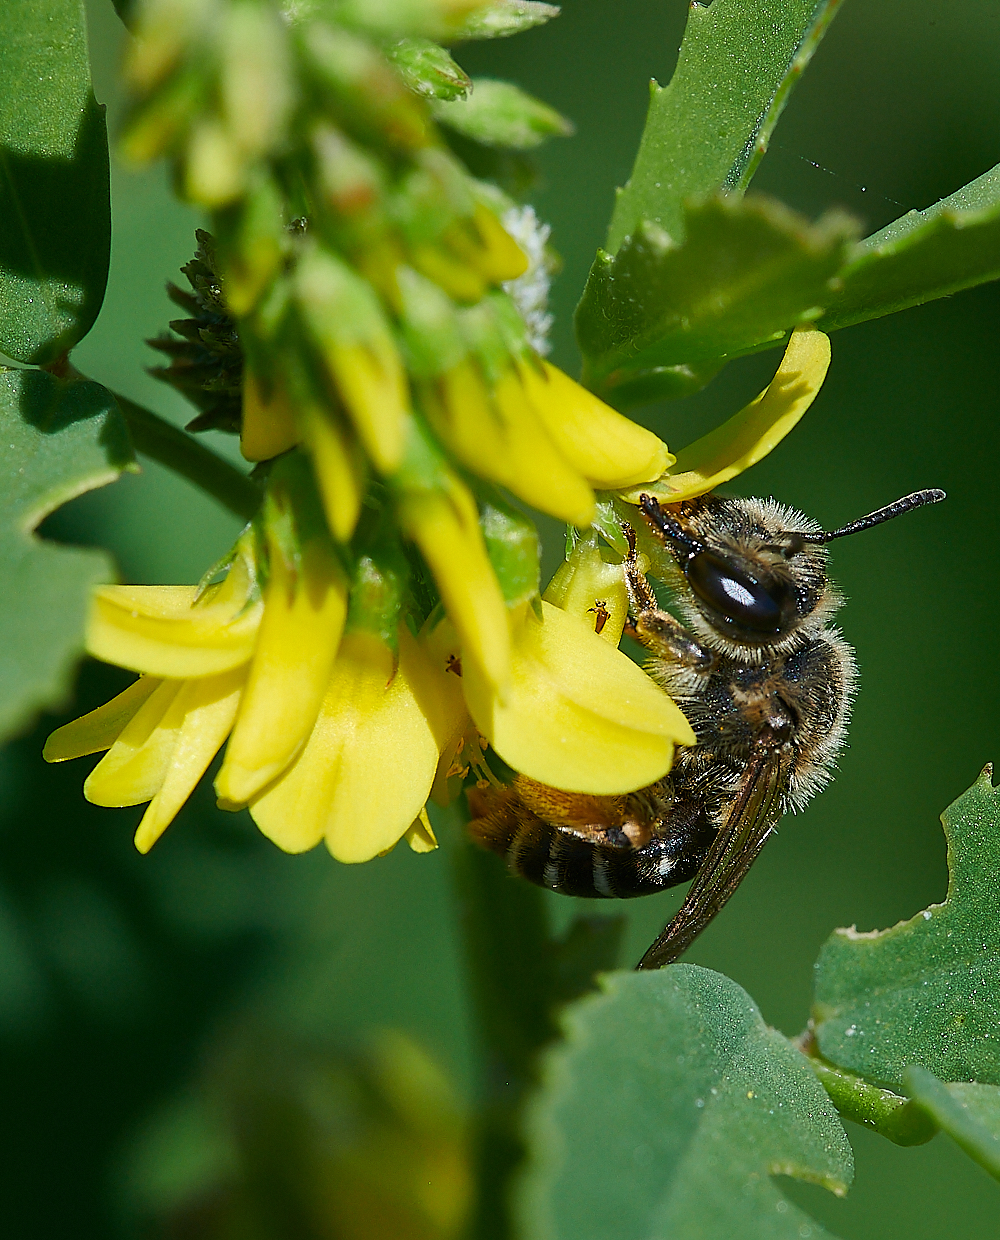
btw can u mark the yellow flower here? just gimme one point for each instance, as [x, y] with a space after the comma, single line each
[367, 769]
[330, 736]
[162, 733]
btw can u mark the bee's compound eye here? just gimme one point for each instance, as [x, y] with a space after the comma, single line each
[736, 594]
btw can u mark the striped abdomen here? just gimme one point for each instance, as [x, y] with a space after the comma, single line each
[588, 858]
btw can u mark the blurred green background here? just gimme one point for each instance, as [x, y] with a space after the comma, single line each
[121, 976]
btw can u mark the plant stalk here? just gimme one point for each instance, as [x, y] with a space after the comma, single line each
[158, 439]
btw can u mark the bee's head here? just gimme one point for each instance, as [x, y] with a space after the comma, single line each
[755, 570]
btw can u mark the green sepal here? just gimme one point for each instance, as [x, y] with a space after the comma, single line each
[505, 17]
[381, 577]
[292, 513]
[512, 544]
[501, 114]
[969, 1113]
[923, 255]
[659, 319]
[55, 203]
[927, 990]
[428, 70]
[60, 438]
[709, 128]
[666, 1110]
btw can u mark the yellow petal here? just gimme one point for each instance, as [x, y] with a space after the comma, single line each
[367, 768]
[100, 728]
[592, 591]
[209, 708]
[446, 529]
[580, 715]
[504, 440]
[339, 471]
[373, 386]
[268, 426]
[296, 645]
[752, 433]
[542, 475]
[421, 837]
[163, 631]
[135, 766]
[609, 450]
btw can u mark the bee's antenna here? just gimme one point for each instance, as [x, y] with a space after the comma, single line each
[668, 526]
[932, 495]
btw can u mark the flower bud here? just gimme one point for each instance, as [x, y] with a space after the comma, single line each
[255, 77]
[253, 247]
[215, 166]
[154, 126]
[428, 70]
[437, 511]
[347, 324]
[268, 425]
[165, 30]
[351, 180]
[501, 114]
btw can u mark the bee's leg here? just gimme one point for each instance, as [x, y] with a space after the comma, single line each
[658, 631]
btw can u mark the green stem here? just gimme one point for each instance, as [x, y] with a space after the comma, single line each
[154, 437]
[898, 1119]
[509, 961]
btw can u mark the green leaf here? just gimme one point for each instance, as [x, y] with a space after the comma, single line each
[506, 17]
[428, 70]
[55, 242]
[710, 127]
[926, 991]
[951, 246]
[59, 439]
[660, 318]
[512, 545]
[501, 114]
[968, 1113]
[665, 1113]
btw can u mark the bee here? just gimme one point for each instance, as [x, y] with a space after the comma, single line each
[766, 681]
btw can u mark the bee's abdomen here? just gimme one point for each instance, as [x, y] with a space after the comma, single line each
[565, 861]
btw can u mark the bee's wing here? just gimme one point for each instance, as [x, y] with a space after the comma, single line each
[734, 850]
